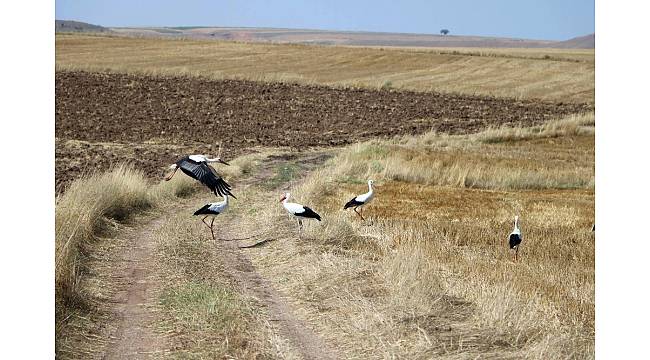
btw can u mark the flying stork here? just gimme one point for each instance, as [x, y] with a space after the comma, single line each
[361, 200]
[299, 211]
[515, 237]
[198, 167]
[212, 210]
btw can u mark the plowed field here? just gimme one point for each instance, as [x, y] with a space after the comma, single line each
[104, 119]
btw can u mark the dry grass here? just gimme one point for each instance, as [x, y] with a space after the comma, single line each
[87, 214]
[572, 55]
[244, 165]
[496, 73]
[91, 206]
[574, 125]
[201, 309]
[520, 158]
[86, 210]
[433, 276]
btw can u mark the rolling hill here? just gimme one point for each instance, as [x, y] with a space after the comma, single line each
[328, 37]
[580, 42]
[77, 26]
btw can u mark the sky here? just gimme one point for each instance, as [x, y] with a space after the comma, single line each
[529, 19]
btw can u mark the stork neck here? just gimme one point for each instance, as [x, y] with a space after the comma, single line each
[207, 159]
[225, 198]
[370, 189]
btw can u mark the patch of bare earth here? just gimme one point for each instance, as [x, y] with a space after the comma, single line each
[104, 119]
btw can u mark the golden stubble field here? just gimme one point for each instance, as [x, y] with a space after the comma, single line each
[556, 75]
[433, 275]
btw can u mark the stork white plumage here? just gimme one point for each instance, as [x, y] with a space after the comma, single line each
[515, 238]
[298, 211]
[361, 200]
[212, 210]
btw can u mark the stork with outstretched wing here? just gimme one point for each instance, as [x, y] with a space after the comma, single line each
[198, 167]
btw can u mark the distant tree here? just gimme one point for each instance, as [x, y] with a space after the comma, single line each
[444, 31]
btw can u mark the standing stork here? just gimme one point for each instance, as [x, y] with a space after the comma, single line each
[515, 238]
[361, 200]
[198, 167]
[299, 211]
[212, 210]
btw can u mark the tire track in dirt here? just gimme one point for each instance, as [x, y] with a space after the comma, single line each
[136, 276]
[134, 337]
[304, 341]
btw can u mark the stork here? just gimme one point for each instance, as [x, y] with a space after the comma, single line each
[212, 210]
[361, 200]
[515, 238]
[299, 211]
[198, 167]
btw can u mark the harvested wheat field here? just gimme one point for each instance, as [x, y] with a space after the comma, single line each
[553, 75]
[429, 274]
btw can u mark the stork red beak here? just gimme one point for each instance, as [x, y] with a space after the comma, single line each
[223, 162]
[282, 198]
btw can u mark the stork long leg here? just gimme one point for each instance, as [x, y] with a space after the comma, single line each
[517, 253]
[206, 224]
[299, 228]
[367, 223]
[361, 216]
[170, 176]
[211, 230]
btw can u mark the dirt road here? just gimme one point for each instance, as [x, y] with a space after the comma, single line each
[134, 336]
[137, 277]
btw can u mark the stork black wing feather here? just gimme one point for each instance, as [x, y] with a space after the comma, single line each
[206, 175]
[203, 210]
[309, 213]
[352, 203]
[514, 240]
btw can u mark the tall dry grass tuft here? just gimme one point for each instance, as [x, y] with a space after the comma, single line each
[91, 206]
[515, 161]
[84, 211]
[576, 124]
[241, 166]
[180, 186]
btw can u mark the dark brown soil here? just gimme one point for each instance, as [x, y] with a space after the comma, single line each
[104, 119]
